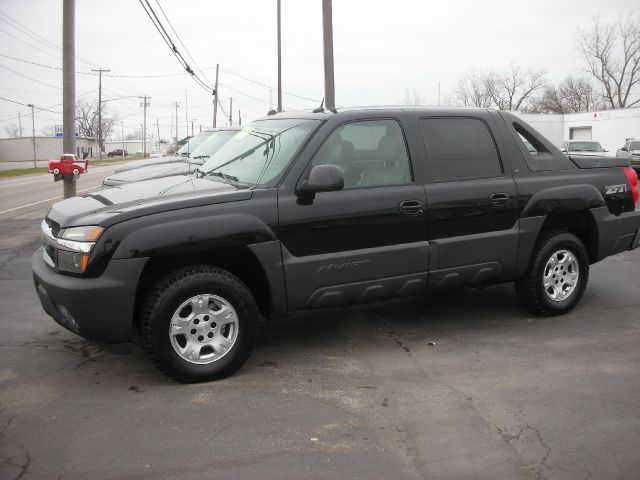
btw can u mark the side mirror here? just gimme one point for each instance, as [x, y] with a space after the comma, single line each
[605, 150]
[624, 149]
[563, 150]
[323, 178]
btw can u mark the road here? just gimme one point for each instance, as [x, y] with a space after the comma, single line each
[34, 194]
[454, 385]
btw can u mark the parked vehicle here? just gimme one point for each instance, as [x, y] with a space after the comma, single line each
[583, 148]
[189, 165]
[319, 210]
[117, 153]
[631, 150]
[68, 163]
[182, 153]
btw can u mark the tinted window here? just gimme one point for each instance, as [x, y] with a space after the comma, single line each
[459, 148]
[370, 153]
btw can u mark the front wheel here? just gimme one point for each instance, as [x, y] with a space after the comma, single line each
[56, 171]
[200, 323]
[557, 274]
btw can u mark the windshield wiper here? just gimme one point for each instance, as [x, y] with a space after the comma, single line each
[228, 178]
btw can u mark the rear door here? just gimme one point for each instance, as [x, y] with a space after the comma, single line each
[472, 201]
[364, 242]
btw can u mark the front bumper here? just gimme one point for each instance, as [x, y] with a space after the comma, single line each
[99, 308]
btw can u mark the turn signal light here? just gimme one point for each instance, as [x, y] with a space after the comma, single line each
[632, 180]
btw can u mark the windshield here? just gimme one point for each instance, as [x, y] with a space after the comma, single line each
[193, 143]
[634, 146]
[210, 146]
[260, 151]
[585, 147]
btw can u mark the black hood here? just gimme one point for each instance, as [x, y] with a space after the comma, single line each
[112, 205]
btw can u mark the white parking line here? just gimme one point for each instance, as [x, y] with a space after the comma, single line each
[46, 200]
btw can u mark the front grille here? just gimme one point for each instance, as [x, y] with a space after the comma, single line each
[54, 226]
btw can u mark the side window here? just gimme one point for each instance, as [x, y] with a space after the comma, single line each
[370, 153]
[459, 149]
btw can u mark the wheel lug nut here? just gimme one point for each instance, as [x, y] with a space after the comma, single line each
[210, 335]
[200, 338]
[196, 321]
[193, 332]
[206, 317]
[213, 325]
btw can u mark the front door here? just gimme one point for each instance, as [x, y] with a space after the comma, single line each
[362, 243]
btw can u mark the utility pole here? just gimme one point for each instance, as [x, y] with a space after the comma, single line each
[158, 128]
[231, 111]
[68, 90]
[215, 98]
[144, 104]
[122, 133]
[280, 62]
[20, 122]
[192, 127]
[327, 35]
[239, 117]
[33, 134]
[177, 138]
[100, 70]
[186, 112]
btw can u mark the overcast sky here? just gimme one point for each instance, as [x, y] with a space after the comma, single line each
[381, 48]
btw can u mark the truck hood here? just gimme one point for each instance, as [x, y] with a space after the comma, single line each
[113, 205]
[148, 173]
[135, 164]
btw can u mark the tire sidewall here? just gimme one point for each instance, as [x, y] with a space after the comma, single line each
[173, 297]
[574, 245]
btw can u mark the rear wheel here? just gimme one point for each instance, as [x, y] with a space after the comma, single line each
[56, 171]
[557, 274]
[200, 323]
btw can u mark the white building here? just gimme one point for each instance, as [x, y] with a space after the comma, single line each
[16, 149]
[609, 127]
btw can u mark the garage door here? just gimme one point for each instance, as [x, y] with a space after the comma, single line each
[580, 133]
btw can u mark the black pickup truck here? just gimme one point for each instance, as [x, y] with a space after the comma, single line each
[320, 210]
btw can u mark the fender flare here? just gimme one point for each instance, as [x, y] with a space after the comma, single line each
[192, 235]
[563, 199]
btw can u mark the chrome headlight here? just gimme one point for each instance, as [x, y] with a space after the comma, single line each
[70, 251]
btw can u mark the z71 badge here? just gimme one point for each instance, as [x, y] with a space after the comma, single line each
[613, 189]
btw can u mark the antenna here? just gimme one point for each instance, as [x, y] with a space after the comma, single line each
[319, 109]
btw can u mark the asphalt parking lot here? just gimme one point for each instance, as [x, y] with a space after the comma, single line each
[459, 384]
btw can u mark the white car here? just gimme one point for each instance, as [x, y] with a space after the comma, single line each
[583, 148]
[631, 150]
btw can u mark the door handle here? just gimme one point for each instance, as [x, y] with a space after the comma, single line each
[500, 200]
[411, 207]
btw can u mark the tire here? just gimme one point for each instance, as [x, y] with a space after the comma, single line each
[56, 171]
[566, 278]
[76, 171]
[188, 340]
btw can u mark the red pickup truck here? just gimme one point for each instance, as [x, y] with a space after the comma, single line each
[68, 163]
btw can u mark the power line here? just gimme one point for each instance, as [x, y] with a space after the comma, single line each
[167, 39]
[30, 78]
[181, 43]
[29, 105]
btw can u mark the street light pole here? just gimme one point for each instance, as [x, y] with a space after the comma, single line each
[68, 90]
[327, 34]
[33, 134]
[100, 70]
[144, 104]
[279, 63]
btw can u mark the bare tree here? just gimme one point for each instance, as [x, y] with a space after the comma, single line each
[412, 97]
[512, 90]
[515, 89]
[13, 131]
[87, 119]
[47, 131]
[472, 90]
[570, 96]
[612, 55]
